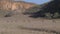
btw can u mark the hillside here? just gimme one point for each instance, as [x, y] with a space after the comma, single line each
[12, 7]
[48, 10]
[35, 9]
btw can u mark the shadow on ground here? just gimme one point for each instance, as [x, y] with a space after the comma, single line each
[36, 29]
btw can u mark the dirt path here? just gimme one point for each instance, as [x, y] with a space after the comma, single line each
[22, 24]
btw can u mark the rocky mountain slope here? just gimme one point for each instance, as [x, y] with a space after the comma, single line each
[11, 7]
[14, 5]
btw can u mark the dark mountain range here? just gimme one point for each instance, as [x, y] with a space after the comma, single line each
[49, 10]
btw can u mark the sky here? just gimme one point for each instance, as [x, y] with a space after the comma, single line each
[36, 1]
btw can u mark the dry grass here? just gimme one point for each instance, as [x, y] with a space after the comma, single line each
[14, 24]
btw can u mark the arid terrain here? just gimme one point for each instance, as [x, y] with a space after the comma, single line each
[22, 24]
[19, 23]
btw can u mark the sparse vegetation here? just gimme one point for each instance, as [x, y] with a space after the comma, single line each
[20, 24]
[53, 8]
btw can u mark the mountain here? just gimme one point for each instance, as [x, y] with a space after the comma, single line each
[13, 5]
[35, 9]
[48, 10]
[8, 7]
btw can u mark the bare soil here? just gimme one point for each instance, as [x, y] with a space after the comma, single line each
[22, 24]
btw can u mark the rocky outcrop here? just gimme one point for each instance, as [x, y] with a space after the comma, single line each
[14, 5]
[9, 7]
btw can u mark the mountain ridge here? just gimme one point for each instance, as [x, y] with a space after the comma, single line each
[15, 4]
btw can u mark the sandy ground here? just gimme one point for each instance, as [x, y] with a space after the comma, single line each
[22, 24]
